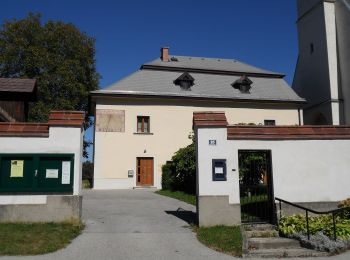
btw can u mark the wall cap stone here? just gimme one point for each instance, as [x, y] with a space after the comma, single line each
[211, 119]
[29, 129]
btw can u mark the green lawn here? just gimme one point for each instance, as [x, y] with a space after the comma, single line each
[86, 184]
[254, 199]
[36, 238]
[188, 198]
[221, 238]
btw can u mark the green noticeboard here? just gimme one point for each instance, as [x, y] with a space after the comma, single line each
[36, 173]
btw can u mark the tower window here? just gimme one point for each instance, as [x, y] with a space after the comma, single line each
[312, 48]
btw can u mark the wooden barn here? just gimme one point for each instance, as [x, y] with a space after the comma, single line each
[15, 94]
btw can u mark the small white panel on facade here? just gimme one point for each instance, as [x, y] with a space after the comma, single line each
[130, 173]
[66, 172]
[51, 173]
[219, 170]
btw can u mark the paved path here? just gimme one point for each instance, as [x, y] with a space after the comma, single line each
[136, 224]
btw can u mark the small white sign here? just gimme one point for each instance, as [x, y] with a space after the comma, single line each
[219, 170]
[51, 173]
[66, 172]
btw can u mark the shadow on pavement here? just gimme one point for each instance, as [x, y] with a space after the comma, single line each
[186, 215]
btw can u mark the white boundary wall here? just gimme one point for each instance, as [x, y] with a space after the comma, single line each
[61, 140]
[303, 170]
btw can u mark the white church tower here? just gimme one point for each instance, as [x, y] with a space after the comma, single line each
[322, 74]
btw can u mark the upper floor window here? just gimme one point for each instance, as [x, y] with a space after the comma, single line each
[143, 125]
[269, 122]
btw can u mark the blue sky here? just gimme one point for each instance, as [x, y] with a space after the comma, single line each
[131, 32]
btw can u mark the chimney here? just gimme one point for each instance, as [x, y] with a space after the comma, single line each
[164, 54]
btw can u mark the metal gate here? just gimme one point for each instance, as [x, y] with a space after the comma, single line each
[256, 189]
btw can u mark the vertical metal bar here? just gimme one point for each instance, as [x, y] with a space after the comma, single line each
[307, 225]
[334, 227]
[280, 209]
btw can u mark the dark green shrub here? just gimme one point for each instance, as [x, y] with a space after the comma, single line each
[184, 162]
[88, 172]
[345, 204]
[168, 177]
[180, 174]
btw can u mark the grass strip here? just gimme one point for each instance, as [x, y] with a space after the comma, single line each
[225, 239]
[179, 195]
[36, 238]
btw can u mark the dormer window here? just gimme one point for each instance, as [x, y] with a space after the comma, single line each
[185, 81]
[243, 84]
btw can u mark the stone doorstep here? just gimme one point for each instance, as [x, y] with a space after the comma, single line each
[259, 227]
[272, 243]
[262, 233]
[144, 187]
[258, 243]
[290, 252]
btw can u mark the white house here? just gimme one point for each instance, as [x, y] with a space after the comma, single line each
[143, 119]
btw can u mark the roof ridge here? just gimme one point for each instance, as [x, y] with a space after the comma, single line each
[208, 64]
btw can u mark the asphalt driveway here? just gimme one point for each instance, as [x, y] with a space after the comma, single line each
[136, 224]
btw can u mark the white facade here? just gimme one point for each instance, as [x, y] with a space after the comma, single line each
[321, 75]
[61, 140]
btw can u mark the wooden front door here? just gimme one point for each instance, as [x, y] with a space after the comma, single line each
[144, 172]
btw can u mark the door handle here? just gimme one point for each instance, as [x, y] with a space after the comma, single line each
[36, 173]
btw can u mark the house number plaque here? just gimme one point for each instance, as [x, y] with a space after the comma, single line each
[212, 142]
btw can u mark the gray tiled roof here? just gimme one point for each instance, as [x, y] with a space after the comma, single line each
[17, 85]
[209, 64]
[154, 82]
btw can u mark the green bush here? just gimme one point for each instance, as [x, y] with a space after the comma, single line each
[168, 177]
[345, 204]
[184, 162]
[297, 224]
[180, 174]
[88, 172]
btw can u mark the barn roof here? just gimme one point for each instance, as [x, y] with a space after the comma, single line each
[17, 85]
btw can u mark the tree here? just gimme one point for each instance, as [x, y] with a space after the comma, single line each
[252, 168]
[59, 56]
[180, 173]
[88, 171]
